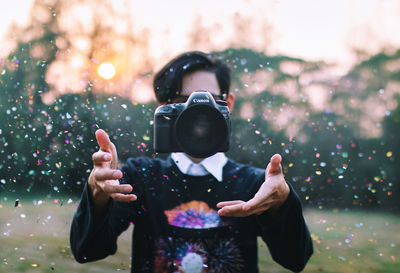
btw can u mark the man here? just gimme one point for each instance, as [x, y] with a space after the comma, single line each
[190, 214]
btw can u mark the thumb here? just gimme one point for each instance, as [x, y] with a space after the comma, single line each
[274, 166]
[103, 140]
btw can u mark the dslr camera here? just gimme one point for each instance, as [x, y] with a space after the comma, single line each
[200, 127]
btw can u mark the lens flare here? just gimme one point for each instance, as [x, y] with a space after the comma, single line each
[106, 70]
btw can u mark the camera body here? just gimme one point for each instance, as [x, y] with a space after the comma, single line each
[200, 127]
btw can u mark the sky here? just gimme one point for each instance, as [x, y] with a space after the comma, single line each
[309, 29]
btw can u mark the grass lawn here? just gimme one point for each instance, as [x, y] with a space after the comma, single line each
[35, 238]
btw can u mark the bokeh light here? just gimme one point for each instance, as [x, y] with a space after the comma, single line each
[106, 70]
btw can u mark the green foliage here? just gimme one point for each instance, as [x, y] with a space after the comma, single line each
[47, 148]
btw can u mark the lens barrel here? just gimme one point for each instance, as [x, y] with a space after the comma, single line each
[201, 130]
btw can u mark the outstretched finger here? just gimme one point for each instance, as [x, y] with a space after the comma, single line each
[103, 174]
[100, 157]
[228, 203]
[123, 197]
[274, 166]
[111, 188]
[235, 210]
[103, 140]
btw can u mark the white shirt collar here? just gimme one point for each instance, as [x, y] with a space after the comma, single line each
[213, 164]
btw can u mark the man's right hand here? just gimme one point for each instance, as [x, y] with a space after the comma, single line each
[103, 180]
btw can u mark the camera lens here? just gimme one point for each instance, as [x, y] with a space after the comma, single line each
[201, 131]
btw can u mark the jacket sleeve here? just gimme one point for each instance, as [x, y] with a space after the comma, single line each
[287, 235]
[94, 237]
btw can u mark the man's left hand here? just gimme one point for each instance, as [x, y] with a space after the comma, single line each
[271, 195]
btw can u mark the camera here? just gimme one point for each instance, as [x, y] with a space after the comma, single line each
[200, 127]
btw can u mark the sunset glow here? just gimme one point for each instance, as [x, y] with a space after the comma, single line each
[106, 70]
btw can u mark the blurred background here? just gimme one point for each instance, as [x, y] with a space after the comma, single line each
[316, 81]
